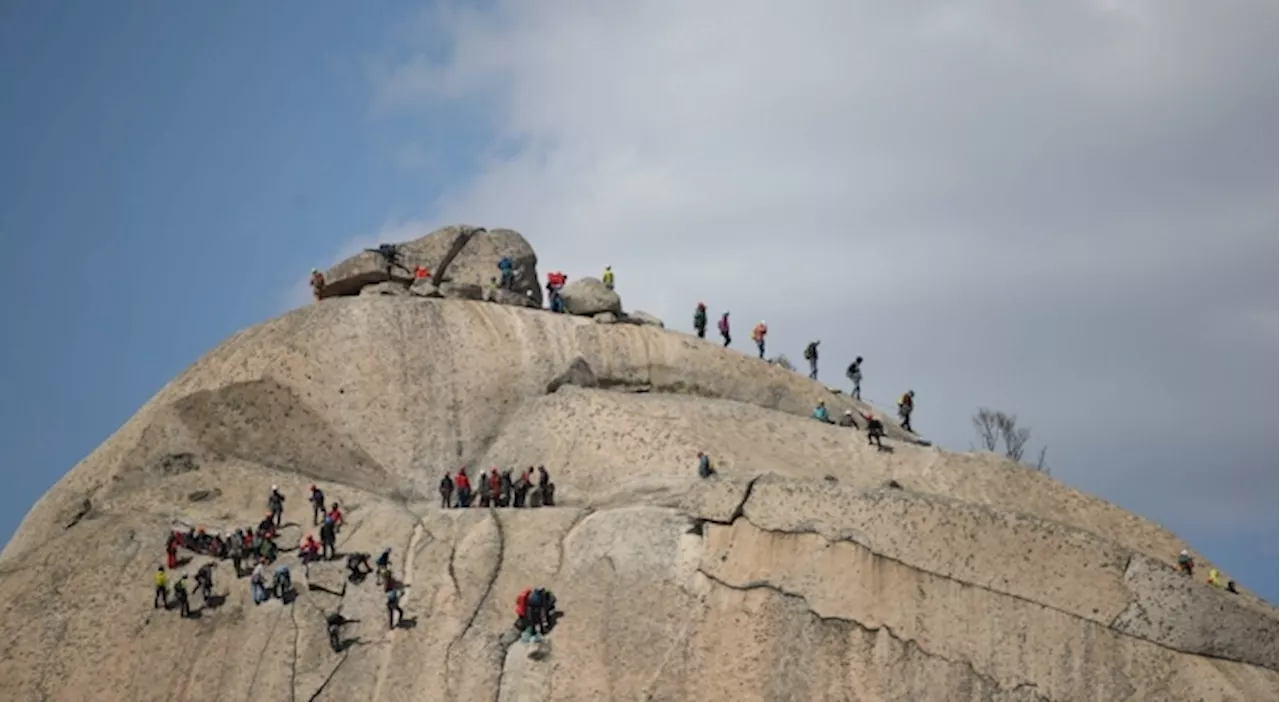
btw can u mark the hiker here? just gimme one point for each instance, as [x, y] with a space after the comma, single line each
[1215, 578]
[275, 501]
[236, 550]
[704, 466]
[446, 490]
[334, 623]
[162, 589]
[700, 320]
[847, 419]
[524, 618]
[811, 355]
[282, 583]
[317, 505]
[758, 334]
[171, 550]
[204, 580]
[390, 257]
[180, 594]
[420, 272]
[358, 566]
[505, 489]
[384, 565]
[854, 373]
[820, 413]
[541, 604]
[257, 581]
[1231, 587]
[335, 516]
[308, 553]
[905, 406]
[485, 493]
[267, 549]
[393, 605]
[1185, 563]
[547, 487]
[724, 328]
[462, 484]
[607, 278]
[521, 489]
[328, 537]
[506, 270]
[875, 430]
[317, 283]
[266, 528]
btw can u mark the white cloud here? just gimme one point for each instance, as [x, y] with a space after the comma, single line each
[1045, 205]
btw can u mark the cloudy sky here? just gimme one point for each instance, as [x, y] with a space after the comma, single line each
[1064, 210]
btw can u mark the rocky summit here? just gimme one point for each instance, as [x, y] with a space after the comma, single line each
[811, 565]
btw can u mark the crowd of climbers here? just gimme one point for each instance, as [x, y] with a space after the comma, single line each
[497, 489]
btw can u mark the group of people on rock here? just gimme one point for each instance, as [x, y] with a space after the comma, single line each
[498, 489]
[1187, 565]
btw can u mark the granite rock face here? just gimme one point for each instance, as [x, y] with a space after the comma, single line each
[588, 297]
[793, 573]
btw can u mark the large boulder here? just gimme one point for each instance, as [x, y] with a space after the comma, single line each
[793, 573]
[642, 317]
[457, 254]
[588, 297]
[503, 296]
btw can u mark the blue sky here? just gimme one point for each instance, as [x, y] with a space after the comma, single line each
[170, 171]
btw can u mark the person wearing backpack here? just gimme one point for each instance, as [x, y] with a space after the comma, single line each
[180, 594]
[724, 328]
[700, 320]
[317, 505]
[854, 373]
[393, 605]
[811, 355]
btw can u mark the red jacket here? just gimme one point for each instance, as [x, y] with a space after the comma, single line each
[462, 481]
[495, 483]
[522, 603]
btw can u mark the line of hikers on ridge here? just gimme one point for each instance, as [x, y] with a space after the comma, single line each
[497, 489]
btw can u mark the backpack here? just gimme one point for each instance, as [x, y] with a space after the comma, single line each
[809, 352]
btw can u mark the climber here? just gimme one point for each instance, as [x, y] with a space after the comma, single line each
[275, 502]
[607, 278]
[724, 328]
[1231, 587]
[334, 623]
[308, 552]
[358, 566]
[906, 406]
[204, 580]
[704, 466]
[854, 373]
[484, 489]
[820, 413]
[266, 528]
[541, 604]
[875, 430]
[393, 605]
[162, 589]
[446, 490]
[846, 420]
[236, 550]
[317, 283]
[524, 621]
[520, 490]
[267, 549]
[180, 594]
[317, 505]
[506, 269]
[1215, 578]
[811, 355]
[504, 489]
[282, 583]
[171, 550]
[758, 334]
[420, 272]
[328, 536]
[390, 257]
[700, 320]
[335, 516]
[546, 487]
[1185, 563]
[384, 565]
[463, 486]
[257, 581]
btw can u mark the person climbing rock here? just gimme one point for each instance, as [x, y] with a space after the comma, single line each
[181, 597]
[846, 420]
[854, 373]
[390, 255]
[546, 487]
[462, 484]
[700, 320]
[758, 334]
[421, 273]
[541, 604]
[393, 607]
[875, 430]
[1185, 563]
[335, 516]
[520, 491]
[317, 505]
[820, 413]
[446, 491]
[334, 623]
[328, 537]
[523, 620]
[811, 355]
[358, 566]
[906, 405]
[317, 283]
[171, 550]
[204, 581]
[275, 503]
[282, 582]
[162, 589]
[607, 278]
[506, 271]
[724, 328]
[505, 489]
[704, 466]
[257, 581]
[1215, 578]
[384, 565]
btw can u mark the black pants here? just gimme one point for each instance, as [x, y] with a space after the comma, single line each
[162, 597]
[444, 498]
[726, 338]
[317, 513]
[760, 345]
[906, 422]
[184, 607]
[327, 550]
[702, 332]
[277, 514]
[813, 368]
[393, 609]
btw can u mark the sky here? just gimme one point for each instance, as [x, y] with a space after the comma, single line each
[1067, 211]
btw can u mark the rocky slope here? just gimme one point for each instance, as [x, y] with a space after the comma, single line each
[812, 567]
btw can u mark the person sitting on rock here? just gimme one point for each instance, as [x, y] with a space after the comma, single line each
[811, 355]
[875, 430]
[462, 484]
[275, 502]
[358, 566]
[317, 505]
[446, 491]
[854, 373]
[180, 596]
[607, 278]
[1185, 563]
[507, 271]
[547, 487]
[906, 406]
[758, 334]
[847, 419]
[700, 320]
[704, 466]
[820, 413]
[162, 589]
[1215, 578]
[317, 283]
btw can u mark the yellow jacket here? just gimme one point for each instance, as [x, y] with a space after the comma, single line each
[162, 580]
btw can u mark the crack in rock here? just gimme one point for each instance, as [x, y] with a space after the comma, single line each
[488, 589]
[293, 663]
[910, 643]
[577, 521]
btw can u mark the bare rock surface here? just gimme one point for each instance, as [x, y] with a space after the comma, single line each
[792, 574]
[588, 296]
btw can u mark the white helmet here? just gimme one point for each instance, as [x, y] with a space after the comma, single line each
[275, 488]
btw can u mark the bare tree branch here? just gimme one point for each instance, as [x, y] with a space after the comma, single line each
[998, 431]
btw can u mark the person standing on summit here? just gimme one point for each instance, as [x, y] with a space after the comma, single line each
[317, 505]
[607, 278]
[507, 269]
[811, 355]
[275, 502]
[758, 334]
[906, 406]
[854, 373]
[317, 283]
[724, 328]
[700, 320]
